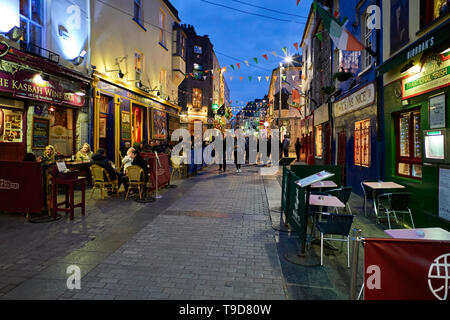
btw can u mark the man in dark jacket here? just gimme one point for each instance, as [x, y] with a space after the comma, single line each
[100, 159]
[139, 161]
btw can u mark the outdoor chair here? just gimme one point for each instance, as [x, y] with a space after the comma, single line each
[177, 167]
[136, 179]
[102, 180]
[368, 193]
[343, 194]
[336, 224]
[395, 203]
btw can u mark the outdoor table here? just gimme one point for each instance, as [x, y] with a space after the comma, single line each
[69, 201]
[324, 184]
[420, 234]
[381, 186]
[82, 166]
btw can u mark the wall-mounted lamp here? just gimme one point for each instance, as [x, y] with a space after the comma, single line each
[120, 74]
[80, 93]
[79, 60]
[41, 79]
[407, 67]
[14, 34]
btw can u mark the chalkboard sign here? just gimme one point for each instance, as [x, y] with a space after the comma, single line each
[41, 132]
[126, 126]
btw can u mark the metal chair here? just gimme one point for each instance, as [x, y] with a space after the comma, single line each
[395, 203]
[368, 193]
[336, 224]
[343, 194]
[136, 179]
[101, 180]
[175, 163]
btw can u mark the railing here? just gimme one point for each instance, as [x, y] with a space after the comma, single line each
[39, 51]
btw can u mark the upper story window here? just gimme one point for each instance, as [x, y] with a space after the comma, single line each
[162, 28]
[366, 36]
[138, 65]
[138, 12]
[431, 10]
[32, 21]
[198, 49]
[399, 33]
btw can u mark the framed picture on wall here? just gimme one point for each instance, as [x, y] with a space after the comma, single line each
[436, 109]
[102, 128]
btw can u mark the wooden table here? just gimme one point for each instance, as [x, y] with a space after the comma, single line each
[324, 184]
[325, 201]
[381, 185]
[420, 234]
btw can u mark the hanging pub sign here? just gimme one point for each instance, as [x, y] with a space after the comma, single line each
[28, 85]
[435, 75]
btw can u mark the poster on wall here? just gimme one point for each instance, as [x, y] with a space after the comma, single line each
[41, 133]
[126, 126]
[159, 124]
[444, 194]
[102, 128]
[437, 111]
[11, 127]
[399, 24]
[61, 130]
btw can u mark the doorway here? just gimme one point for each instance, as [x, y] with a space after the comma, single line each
[106, 126]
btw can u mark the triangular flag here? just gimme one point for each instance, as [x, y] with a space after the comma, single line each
[275, 78]
[319, 36]
[238, 65]
[284, 50]
[267, 78]
[232, 67]
[298, 1]
[274, 53]
[340, 36]
[246, 62]
[284, 78]
[204, 77]
[231, 79]
[240, 78]
[256, 60]
[265, 56]
[224, 69]
[250, 78]
[293, 78]
[259, 79]
[296, 46]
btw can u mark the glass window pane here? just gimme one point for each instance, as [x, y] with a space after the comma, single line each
[24, 27]
[417, 170]
[24, 8]
[404, 169]
[37, 11]
[35, 34]
[417, 136]
[404, 135]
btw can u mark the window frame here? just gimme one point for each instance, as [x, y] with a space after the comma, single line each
[198, 46]
[138, 73]
[362, 142]
[366, 36]
[423, 24]
[318, 137]
[411, 160]
[162, 28]
[29, 22]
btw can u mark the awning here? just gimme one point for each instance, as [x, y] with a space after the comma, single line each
[432, 40]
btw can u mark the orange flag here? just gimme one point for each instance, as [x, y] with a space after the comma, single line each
[296, 46]
[240, 78]
[265, 56]
[298, 1]
[238, 65]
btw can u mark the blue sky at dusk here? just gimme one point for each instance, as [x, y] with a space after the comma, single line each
[238, 36]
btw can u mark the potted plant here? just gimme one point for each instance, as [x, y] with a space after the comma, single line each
[342, 76]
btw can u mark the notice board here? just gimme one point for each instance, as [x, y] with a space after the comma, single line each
[40, 133]
[444, 194]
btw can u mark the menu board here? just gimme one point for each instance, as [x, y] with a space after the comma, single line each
[322, 175]
[437, 111]
[444, 194]
[126, 126]
[11, 127]
[41, 132]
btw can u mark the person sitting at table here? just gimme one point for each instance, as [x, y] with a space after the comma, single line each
[147, 148]
[29, 157]
[139, 161]
[100, 159]
[85, 153]
[49, 155]
[128, 160]
[125, 148]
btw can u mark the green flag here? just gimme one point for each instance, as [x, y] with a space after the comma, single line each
[285, 51]
[319, 36]
[256, 60]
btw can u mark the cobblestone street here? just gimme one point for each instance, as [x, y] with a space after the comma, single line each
[210, 238]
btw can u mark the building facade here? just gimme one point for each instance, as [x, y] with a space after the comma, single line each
[138, 62]
[44, 77]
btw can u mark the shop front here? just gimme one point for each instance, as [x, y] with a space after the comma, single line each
[41, 105]
[417, 127]
[121, 115]
[355, 134]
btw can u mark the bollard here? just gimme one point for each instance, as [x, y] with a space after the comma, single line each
[355, 259]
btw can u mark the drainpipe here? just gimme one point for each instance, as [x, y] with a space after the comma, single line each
[380, 104]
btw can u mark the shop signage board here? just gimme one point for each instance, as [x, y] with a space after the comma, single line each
[22, 85]
[360, 99]
[437, 111]
[321, 115]
[435, 75]
[406, 269]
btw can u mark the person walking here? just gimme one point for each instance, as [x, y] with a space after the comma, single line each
[224, 156]
[286, 144]
[237, 151]
[298, 147]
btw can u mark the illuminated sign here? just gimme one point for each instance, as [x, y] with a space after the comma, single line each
[70, 26]
[9, 15]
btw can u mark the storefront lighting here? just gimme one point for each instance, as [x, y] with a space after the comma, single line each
[80, 93]
[51, 109]
[40, 80]
[79, 60]
[445, 51]
[407, 67]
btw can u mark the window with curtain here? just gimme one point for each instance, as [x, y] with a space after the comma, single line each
[362, 143]
[162, 28]
[197, 98]
[431, 10]
[408, 144]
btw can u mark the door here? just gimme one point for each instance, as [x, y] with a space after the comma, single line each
[341, 147]
[106, 126]
[327, 144]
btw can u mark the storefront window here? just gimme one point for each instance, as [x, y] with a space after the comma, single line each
[197, 98]
[362, 143]
[319, 144]
[61, 130]
[409, 146]
[11, 126]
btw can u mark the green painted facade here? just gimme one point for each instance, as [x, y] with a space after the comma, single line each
[425, 193]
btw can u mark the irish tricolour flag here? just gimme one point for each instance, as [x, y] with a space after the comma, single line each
[341, 37]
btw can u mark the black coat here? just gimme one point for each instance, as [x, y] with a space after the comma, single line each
[139, 161]
[102, 161]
